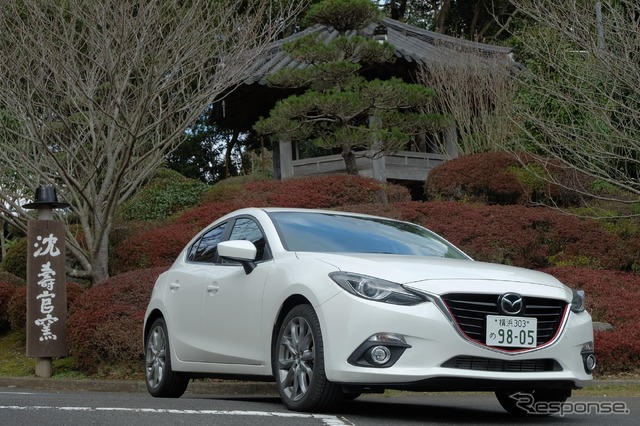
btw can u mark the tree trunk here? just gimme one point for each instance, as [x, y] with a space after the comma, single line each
[349, 159]
[100, 262]
[398, 9]
[227, 157]
[3, 250]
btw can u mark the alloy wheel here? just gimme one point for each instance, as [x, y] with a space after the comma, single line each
[296, 358]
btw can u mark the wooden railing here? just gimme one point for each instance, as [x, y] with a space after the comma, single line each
[403, 165]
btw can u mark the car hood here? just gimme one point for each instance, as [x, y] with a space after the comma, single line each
[440, 275]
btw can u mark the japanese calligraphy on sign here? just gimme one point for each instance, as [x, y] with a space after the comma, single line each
[46, 289]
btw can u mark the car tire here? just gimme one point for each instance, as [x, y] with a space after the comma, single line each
[540, 401]
[298, 363]
[161, 380]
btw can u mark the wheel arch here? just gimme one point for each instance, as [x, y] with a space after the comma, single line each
[289, 303]
[153, 316]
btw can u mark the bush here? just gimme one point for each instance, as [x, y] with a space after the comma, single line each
[167, 193]
[327, 191]
[17, 308]
[9, 278]
[105, 322]
[6, 292]
[501, 178]
[203, 215]
[610, 297]
[152, 248]
[9, 284]
[229, 188]
[521, 236]
[138, 246]
[15, 262]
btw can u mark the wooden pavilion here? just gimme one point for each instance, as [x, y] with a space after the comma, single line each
[243, 105]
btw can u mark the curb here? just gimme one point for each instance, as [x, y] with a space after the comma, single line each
[221, 387]
[207, 386]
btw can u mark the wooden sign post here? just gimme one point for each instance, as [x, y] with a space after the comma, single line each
[46, 283]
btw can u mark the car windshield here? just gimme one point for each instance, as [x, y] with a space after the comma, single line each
[325, 232]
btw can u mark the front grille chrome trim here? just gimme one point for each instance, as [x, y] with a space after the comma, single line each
[443, 307]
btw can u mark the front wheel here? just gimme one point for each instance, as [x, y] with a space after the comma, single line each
[539, 401]
[298, 363]
[161, 380]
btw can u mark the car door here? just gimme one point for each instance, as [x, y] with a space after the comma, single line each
[232, 309]
[186, 292]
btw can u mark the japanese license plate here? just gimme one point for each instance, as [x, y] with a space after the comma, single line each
[507, 331]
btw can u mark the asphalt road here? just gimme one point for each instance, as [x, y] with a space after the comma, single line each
[21, 406]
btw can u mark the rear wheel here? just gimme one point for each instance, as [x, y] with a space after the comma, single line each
[539, 401]
[298, 363]
[161, 380]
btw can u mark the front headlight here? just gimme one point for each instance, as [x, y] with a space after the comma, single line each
[375, 289]
[577, 303]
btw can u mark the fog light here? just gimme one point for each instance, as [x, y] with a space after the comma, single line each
[589, 363]
[380, 355]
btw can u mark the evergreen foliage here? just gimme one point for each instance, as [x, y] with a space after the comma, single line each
[167, 193]
[340, 108]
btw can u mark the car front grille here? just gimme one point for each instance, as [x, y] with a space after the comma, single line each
[490, 364]
[470, 312]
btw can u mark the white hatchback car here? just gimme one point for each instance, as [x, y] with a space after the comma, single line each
[331, 305]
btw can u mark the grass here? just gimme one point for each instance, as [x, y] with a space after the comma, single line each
[620, 389]
[14, 361]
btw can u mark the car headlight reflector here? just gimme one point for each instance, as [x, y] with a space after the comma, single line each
[375, 288]
[577, 303]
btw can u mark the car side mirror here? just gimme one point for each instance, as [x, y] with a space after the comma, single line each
[240, 251]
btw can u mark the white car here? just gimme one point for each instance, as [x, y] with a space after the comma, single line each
[331, 305]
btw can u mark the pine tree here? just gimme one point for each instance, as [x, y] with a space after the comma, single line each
[340, 108]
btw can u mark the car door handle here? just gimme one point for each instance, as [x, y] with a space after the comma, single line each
[212, 288]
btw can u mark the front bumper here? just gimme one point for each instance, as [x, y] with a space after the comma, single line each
[439, 358]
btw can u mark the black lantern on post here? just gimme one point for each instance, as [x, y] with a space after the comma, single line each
[380, 33]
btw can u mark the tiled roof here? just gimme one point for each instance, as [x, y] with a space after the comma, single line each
[413, 44]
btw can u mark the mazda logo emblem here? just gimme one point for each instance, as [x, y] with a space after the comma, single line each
[511, 304]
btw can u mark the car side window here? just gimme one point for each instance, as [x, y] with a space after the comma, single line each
[247, 229]
[206, 248]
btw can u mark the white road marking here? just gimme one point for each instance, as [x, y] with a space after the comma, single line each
[326, 419]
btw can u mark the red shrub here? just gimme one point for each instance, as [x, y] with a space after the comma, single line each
[201, 216]
[482, 177]
[385, 210]
[611, 297]
[17, 309]
[9, 284]
[156, 247]
[522, 236]
[325, 191]
[328, 191]
[9, 278]
[6, 293]
[500, 178]
[105, 322]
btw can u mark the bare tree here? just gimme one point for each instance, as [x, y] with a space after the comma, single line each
[579, 99]
[94, 94]
[477, 91]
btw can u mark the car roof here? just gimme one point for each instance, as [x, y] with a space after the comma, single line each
[320, 211]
